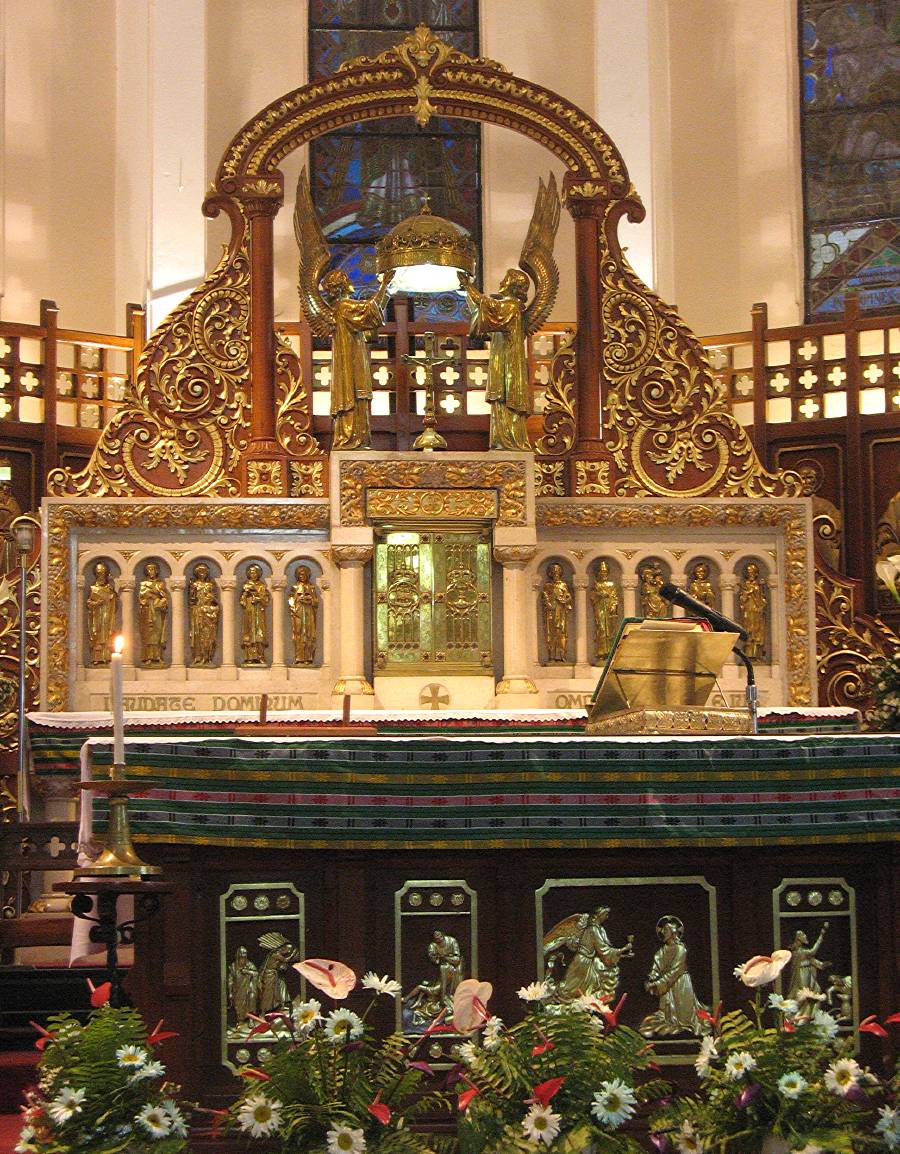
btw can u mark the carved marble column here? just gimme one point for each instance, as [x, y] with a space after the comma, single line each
[325, 623]
[179, 640]
[351, 560]
[78, 660]
[227, 585]
[582, 663]
[278, 606]
[517, 608]
[131, 653]
[630, 604]
[726, 592]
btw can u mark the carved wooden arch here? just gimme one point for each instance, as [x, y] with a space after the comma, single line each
[667, 428]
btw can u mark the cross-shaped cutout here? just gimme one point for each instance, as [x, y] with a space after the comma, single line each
[808, 379]
[718, 358]
[4, 378]
[54, 846]
[807, 350]
[809, 408]
[779, 383]
[895, 400]
[542, 345]
[5, 350]
[744, 385]
[450, 403]
[837, 376]
[382, 376]
[5, 407]
[477, 376]
[896, 369]
[449, 376]
[29, 381]
[873, 373]
[323, 376]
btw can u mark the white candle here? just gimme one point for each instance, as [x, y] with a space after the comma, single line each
[117, 706]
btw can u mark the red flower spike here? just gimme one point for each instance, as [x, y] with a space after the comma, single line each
[160, 1035]
[466, 1097]
[545, 1091]
[788, 1027]
[871, 1025]
[655, 1067]
[894, 1018]
[219, 1117]
[542, 1048]
[612, 1016]
[99, 994]
[252, 1072]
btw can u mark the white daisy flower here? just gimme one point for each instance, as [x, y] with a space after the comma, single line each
[131, 1057]
[493, 1029]
[541, 1124]
[153, 1069]
[791, 1085]
[783, 1005]
[805, 994]
[841, 1076]
[260, 1115]
[738, 971]
[176, 1118]
[737, 1065]
[888, 1126]
[535, 992]
[468, 1052]
[306, 1014]
[589, 1004]
[25, 1144]
[155, 1121]
[614, 1103]
[825, 1023]
[344, 1140]
[385, 985]
[66, 1104]
[343, 1026]
[708, 1051]
[688, 1141]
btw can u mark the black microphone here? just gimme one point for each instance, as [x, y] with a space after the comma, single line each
[695, 608]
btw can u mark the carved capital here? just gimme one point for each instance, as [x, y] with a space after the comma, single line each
[177, 584]
[351, 556]
[514, 556]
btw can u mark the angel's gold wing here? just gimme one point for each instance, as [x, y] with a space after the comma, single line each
[315, 256]
[566, 933]
[537, 255]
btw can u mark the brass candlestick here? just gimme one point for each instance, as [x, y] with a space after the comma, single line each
[429, 439]
[118, 858]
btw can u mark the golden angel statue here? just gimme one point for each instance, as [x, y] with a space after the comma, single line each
[593, 968]
[331, 310]
[507, 319]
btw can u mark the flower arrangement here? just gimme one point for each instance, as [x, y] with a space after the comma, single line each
[101, 1090]
[793, 1084]
[884, 676]
[328, 1085]
[562, 1080]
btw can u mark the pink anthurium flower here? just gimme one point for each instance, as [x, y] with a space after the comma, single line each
[892, 1019]
[466, 1097]
[764, 968]
[470, 1004]
[45, 1037]
[332, 978]
[712, 1018]
[545, 1091]
[747, 1095]
[160, 1035]
[660, 1141]
[871, 1025]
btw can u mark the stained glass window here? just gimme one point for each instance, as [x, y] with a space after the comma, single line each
[368, 177]
[850, 121]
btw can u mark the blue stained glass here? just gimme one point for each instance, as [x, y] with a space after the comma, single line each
[394, 13]
[441, 308]
[332, 47]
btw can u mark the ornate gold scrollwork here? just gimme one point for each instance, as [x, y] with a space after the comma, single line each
[846, 641]
[560, 429]
[549, 480]
[307, 478]
[592, 478]
[9, 650]
[476, 504]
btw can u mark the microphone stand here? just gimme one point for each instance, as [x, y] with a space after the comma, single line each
[752, 691]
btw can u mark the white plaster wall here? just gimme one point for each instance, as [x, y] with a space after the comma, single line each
[58, 185]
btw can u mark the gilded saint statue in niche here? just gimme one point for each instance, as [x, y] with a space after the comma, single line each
[242, 985]
[670, 981]
[653, 604]
[700, 586]
[333, 312]
[303, 602]
[203, 616]
[593, 967]
[753, 603]
[605, 605]
[508, 319]
[805, 967]
[102, 607]
[556, 607]
[255, 598]
[153, 613]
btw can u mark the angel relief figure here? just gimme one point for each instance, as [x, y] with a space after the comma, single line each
[332, 311]
[593, 968]
[507, 320]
